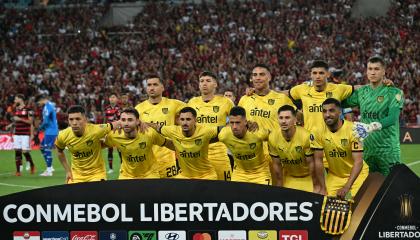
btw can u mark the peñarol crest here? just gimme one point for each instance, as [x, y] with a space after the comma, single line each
[335, 215]
[380, 99]
[344, 142]
[142, 145]
[165, 110]
[329, 94]
[298, 149]
[198, 142]
[215, 109]
[89, 142]
[271, 101]
[252, 145]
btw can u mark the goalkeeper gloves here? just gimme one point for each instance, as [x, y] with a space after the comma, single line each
[36, 139]
[362, 130]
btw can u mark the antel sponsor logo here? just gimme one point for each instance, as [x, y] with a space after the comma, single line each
[83, 235]
[293, 235]
[232, 235]
[172, 235]
[262, 235]
[26, 235]
[55, 235]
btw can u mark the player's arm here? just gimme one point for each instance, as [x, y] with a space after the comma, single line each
[169, 144]
[355, 171]
[63, 161]
[319, 183]
[277, 169]
[311, 165]
[27, 121]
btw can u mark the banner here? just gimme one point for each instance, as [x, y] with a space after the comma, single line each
[6, 142]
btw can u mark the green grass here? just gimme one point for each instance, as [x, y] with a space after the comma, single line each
[9, 183]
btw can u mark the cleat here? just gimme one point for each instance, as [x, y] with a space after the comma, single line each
[20, 168]
[46, 174]
[28, 166]
[18, 174]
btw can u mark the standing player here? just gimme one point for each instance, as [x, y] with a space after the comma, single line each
[138, 159]
[212, 111]
[112, 113]
[50, 127]
[292, 155]
[162, 111]
[125, 101]
[247, 149]
[83, 141]
[347, 170]
[23, 124]
[380, 108]
[191, 143]
[261, 107]
[229, 94]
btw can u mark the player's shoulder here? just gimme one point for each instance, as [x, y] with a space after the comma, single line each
[394, 90]
[194, 100]
[301, 87]
[302, 131]
[65, 133]
[274, 94]
[172, 100]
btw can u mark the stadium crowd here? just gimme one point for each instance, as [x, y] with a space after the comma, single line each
[65, 53]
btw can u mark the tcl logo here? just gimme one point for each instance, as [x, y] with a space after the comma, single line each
[83, 235]
[293, 235]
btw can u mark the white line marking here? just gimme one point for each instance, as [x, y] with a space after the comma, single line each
[7, 173]
[17, 185]
[413, 163]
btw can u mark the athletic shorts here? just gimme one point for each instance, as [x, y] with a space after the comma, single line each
[22, 142]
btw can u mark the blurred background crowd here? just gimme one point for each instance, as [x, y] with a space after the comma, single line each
[63, 50]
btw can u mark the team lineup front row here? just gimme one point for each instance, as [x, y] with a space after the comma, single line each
[164, 137]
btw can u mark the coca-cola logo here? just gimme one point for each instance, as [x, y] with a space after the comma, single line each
[85, 237]
[6, 142]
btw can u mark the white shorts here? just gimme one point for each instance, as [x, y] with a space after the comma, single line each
[21, 142]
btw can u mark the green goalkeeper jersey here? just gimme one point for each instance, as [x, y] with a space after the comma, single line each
[382, 104]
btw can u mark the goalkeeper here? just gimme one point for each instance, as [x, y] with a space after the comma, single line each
[380, 108]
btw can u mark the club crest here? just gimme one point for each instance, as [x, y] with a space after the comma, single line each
[380, 99]
[216, 109]
[344, 142]
[271, 101]
[165, 110]
[329, 94]
[252, 145]
[299, 149]
[198, 142]
[89, 142]
[142, 145]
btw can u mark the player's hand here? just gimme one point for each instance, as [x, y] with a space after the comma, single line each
[249, 91]
[252, 126]
[143, 126]
[388, 82]
[342, 192]
[362, 130]
[117, 127]
[69, 177]
[16, 118]
[36, 140]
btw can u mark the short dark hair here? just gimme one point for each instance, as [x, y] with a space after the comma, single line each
[76, 109]
[40, 97]
[131, 110]
[113, 93]
[285, 108]
[21, 96]
[377, 59]
[332, 101]
[319, 64]
[208, 74]
[190, 110]
[150, 76]
[262, 65]
[237, 111]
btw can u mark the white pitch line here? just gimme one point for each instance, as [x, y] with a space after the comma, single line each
[7, 173]
[413, 163]
[17, 185]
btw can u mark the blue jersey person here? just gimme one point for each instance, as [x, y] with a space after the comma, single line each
[50, 128]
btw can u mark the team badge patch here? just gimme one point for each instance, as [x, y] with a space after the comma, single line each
[198, 142]
[380, 99]
[252, 145]
[344, 142]
[271, 101]
[89, 142]
[329, 94]
[299, 149]
[142, 145]
[165, 110]
[311, 137]
[398, 97]
[335, 215]
[215, 109]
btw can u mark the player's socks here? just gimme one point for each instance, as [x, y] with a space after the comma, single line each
[29, 159]
[18, 160]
